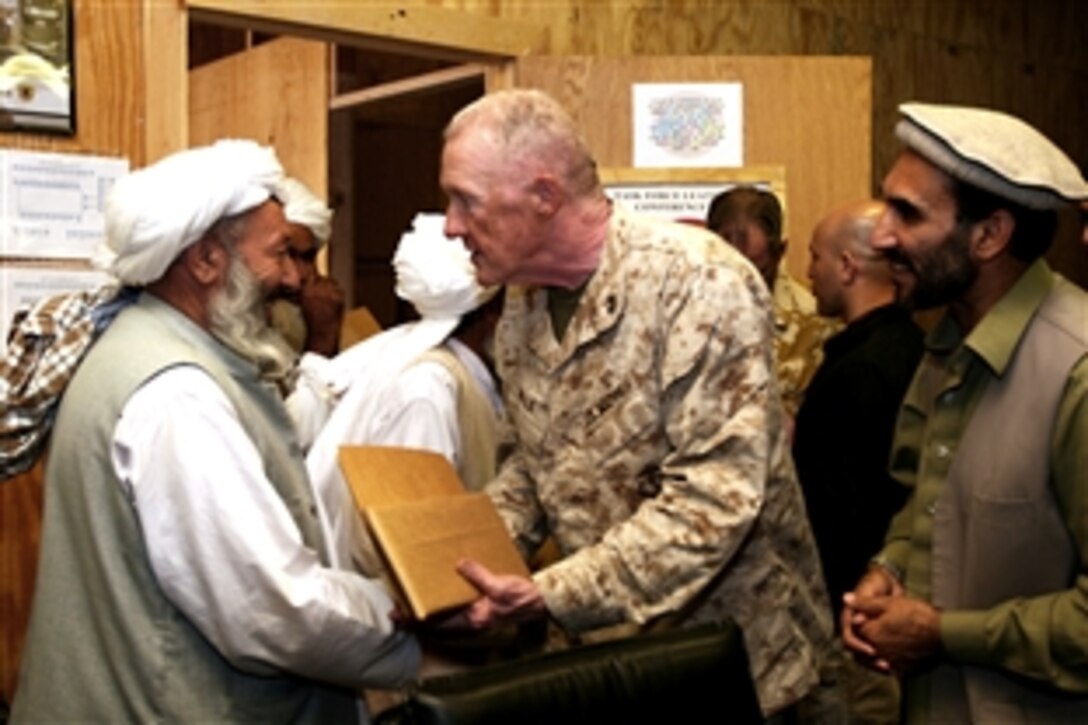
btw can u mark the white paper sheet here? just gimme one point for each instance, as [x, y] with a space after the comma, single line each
[51, 205]
[684, 125]
[21, 287]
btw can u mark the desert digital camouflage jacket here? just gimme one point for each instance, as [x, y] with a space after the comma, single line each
[650, 443]
[799, 338]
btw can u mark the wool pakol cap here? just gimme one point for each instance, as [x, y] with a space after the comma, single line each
[993, 151]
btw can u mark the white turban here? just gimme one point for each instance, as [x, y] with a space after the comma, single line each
[436, 274]
[338, 406]
[155, 213]
[302, 206]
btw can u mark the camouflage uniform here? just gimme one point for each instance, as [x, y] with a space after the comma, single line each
[649, 442]
[799, 338]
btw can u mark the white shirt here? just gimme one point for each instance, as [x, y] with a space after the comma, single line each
[228, 554]
[414, 407]
[418, 407]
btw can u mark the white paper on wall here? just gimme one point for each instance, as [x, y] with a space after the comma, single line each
[684, 125]
[51, 205]
[22, 286]
[680, 201]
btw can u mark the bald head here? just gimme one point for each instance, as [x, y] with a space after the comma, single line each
[849, 229]
[849, 277]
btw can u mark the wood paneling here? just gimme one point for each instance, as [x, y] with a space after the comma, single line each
[409, 27]
[20, 533]
[276, 93]
[826, 162]
[109, 85]
[1026, 57]
[165, 82]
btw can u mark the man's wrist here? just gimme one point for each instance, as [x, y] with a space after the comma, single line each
[893, 569]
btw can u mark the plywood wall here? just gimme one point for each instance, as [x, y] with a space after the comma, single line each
[275, 93]
[1026, 57]
[129, 58]
[826, 163]
[110, 80]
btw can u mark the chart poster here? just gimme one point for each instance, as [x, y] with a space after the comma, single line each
[52, 205]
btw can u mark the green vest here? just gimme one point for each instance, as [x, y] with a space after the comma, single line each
[104, 643]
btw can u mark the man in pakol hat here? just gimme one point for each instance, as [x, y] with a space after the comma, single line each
[184, 572]
[980, 595]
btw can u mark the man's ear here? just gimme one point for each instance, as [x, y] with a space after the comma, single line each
[207, 260]
[991, 236]
[547, 195]
[848, 267]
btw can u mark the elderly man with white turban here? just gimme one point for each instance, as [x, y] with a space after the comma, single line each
[308, 318]
[980, 594]
[423, 384]
[184, 573]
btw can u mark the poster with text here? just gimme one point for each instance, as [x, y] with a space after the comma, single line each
[52, 205]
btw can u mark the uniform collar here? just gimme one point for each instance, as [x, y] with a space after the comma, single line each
[600, 306]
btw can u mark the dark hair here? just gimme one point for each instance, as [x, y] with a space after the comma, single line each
[1033, 231]
[747, 203]
[490, 309]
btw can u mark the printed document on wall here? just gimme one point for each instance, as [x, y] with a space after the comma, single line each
[683, 125]
[52, 204]
[21, 287]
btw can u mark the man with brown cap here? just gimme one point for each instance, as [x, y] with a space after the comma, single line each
[980, 595]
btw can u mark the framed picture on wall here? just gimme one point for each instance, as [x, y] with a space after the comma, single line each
[684, 194]
[36, 70]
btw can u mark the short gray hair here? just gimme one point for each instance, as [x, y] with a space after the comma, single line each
[529, 124]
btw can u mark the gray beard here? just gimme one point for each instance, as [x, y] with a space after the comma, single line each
[237, 318]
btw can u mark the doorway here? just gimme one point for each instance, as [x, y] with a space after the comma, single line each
[384, 119]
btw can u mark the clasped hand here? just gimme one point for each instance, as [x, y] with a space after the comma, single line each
[887, 629]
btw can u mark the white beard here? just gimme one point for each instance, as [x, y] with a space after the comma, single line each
[238, 319]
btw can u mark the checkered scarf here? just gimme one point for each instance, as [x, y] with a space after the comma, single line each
[44, 349]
